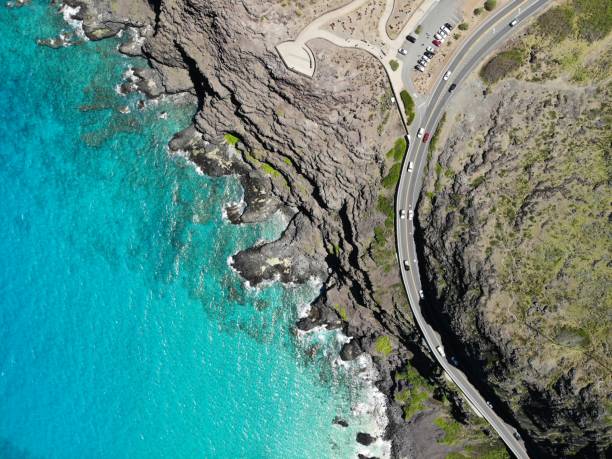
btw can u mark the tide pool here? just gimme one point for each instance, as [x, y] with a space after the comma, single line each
[123, 332]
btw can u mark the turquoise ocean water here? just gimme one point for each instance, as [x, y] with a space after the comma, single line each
[123, 333]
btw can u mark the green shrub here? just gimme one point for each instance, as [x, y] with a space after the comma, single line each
[477, 11]
[383, 345]
[463, 26]
[399, 150]
[594, 18]
[490, 5]
[231, 138]
[391, 179]
[557, 22]
[502, 65]
[419, 29]
[393, 64]
[408, 106]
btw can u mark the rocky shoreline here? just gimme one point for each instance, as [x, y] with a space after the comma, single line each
[314, 154]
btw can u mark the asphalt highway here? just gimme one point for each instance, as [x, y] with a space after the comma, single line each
[492, 33]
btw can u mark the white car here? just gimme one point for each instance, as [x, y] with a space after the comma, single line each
[440, 350]
[421, 294]
[420, 132]
[423, 62]
[420, 68]
[447, 75]
[403, 213]
[410, 166]
[402, 51]
[437, 36]
[431, 49]
[410, 215]
[425, 58]
[489, 404]
[406, 265]
[514, 22]
[443, 33]
[445, 30]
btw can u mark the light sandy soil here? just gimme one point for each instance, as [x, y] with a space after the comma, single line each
[423, 82]
[361, 24]
[402, 9]
[295, 14]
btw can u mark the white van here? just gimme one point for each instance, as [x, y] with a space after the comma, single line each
[410, 166]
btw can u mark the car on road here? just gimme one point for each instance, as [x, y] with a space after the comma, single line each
[410, 166]
[421, 294]
[517, 436]
[410, 215]
[447, 75]
[402, 51]
[406, 265]
[514, 22]
[448, 25]
[410, 38]
[430, 49]
[403, 213]
[437, 42]
[452, 87]
[426, 137]
[489, 404]
[419, 67]
[420, 132]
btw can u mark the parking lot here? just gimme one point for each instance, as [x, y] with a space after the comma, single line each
[444, 11]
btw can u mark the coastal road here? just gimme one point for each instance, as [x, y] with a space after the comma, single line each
[491, 34]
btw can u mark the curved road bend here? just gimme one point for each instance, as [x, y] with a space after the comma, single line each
[487, 37]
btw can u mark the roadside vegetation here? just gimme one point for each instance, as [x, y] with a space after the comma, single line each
[382, 248]
[408, 106]
[393, 64]
[560, 42]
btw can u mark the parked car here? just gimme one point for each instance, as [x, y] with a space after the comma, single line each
[410, 215]
[425, 58]
[420, 132]
[406, 265]
[448, 25]
[410, 38]
[419, 67]
[452, 87]
[447, 75]
[426, 137]
[437, 36]
[445, 29]
[437, 42]
[410, 166]
[431, 50]
[402, 51]
[514, 22]
[517, 436]
[443, 33]
[421, 294]
[423, 62]
[403, 213]
[489, 404]
[429, 55]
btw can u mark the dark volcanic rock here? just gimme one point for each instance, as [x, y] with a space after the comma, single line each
[341, 422]
[365, 438]
[350, 350]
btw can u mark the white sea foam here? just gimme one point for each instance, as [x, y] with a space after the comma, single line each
[68, 13]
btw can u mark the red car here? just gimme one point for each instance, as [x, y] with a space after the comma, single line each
[426, 137]
[437, 43]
